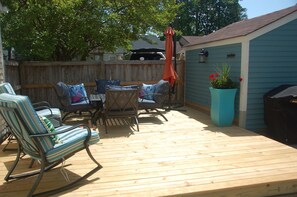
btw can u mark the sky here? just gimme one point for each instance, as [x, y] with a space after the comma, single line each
[260, 7]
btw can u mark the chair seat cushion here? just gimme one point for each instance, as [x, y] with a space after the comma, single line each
[80, 108]
[70, 142]
[147, 104]
[142, 101]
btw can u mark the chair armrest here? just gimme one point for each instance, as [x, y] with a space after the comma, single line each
[86, 99]
[41, 103]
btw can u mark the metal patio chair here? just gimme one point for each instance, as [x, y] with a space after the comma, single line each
[121, 102]
[68, 107]
[151, 102]
[42, 108]
[36, 140]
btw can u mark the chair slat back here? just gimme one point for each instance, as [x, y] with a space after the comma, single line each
[20, 115]
[6, 88]
[102, 83]
[124, 101]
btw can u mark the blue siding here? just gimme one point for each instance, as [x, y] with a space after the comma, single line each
[197, 74]
[272, 62]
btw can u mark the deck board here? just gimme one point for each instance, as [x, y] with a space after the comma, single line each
[186, 156]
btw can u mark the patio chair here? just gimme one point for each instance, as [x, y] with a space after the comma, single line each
[121, 102]
[73, 99]
[37, 138]
[42, 108]
[154, 97]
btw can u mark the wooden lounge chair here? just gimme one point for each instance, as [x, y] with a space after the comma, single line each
[39, 141]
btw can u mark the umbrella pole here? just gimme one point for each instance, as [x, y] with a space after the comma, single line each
[173, 89]
[169, 32]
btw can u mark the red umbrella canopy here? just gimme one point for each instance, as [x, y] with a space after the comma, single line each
[168, 72]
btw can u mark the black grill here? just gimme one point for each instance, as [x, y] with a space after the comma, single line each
[280, 113]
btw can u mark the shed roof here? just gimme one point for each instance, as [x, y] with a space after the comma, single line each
[244, 27]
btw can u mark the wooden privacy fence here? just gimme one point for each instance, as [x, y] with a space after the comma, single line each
[36, 79]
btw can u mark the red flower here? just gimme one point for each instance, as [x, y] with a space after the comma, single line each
[212, 77]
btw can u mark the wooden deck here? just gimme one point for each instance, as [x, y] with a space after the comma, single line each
[186, 156]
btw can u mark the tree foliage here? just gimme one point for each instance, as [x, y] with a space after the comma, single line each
[202, 17]
[67, 29]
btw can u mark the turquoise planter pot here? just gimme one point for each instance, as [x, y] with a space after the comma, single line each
[222, 106]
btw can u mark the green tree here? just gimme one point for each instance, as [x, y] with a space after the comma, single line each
[67, 29]
[202, 17]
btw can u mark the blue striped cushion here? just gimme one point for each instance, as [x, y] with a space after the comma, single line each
[6, 88]
[30, 119]
[70, 142]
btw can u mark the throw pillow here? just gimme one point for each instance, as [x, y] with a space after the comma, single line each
[77, 93]
[147, 91]
[64, 93]
[50, 128]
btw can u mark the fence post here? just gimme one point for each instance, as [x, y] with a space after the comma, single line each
[102, 70]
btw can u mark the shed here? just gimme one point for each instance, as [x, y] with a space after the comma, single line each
[262, 51]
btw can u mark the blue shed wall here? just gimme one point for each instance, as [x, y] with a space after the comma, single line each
[272, 62]
[197, 74]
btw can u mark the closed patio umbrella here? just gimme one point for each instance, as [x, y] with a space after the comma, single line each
[169, 73]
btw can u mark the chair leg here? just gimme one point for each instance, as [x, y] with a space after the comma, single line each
[91, 156]
[72, 184]
[157, 112]
[161, 114]
[45, 168]
[38, 179]
[9, 141]
[136, 121]
[105, 124]
[95, 116]
[8, 175]
[65, 116]
[28, 174]
[31, 163]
